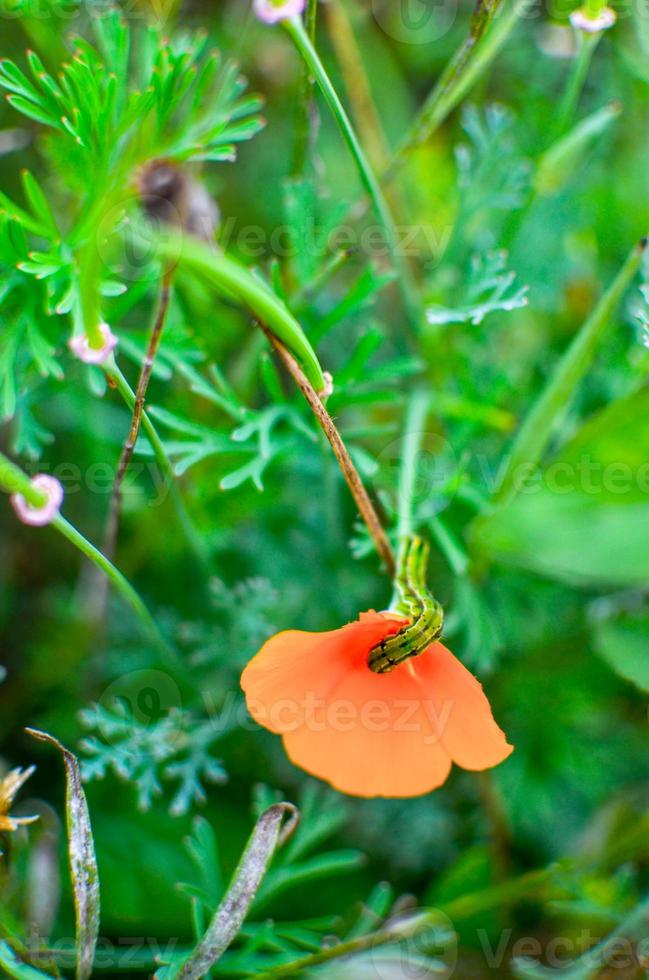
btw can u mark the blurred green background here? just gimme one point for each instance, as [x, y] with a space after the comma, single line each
[546, 598]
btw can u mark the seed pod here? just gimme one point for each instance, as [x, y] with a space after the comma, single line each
[172, 196]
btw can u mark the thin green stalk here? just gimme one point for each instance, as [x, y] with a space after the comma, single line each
[536, 431]
[357, 85]
[416, 414]
[370, 182]
[305, 97]
[415, 422]
[193, 537]
[13, 480]
[456, 556]
[398, 931]
[576, 80]
[469, 62]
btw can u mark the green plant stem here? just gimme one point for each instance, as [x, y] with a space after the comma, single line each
[536, 431]
[454, 553]
[357, 85]
[369, 180]
[305, 98]
[416, 414]
[193, 537]
[395, 932]
[575, 82]
[13, 480]
[470, 61]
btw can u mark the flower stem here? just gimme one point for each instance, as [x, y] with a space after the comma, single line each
[303, 43]
[357, 86]
[349, 471]
[13, 480]
[193, 537]
[305, 97]
[112, 527]
[467, 65]
[121, 584]
[536, 431]
[587, 44]
[416, 414]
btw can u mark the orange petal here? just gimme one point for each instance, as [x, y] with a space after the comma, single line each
[295, 663]
[373, 737]
[367, 734]
[466, 725]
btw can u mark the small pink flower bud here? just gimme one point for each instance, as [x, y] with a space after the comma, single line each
[80, 346]
[582, 21]
[272, 11]
[39, 516]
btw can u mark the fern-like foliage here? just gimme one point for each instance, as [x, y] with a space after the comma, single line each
[377, 936]
[172, 749]
[489, 289]
[130, 97]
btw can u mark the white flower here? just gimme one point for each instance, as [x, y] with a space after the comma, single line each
[272, 11]
[39, 516]
[80, 346]
[581, 20]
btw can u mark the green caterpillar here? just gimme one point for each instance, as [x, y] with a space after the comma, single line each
[415, 601]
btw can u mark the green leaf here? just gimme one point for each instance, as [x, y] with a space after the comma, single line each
[231, 913]
[550, 407]
[624, 645]
[83, 863]
[39, 204]
[583, 519]
[33, 111]
[564, 159]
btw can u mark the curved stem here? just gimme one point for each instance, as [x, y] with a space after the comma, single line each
[349, 471]
[357, 85]
[232, 279]
[121, 584]
[416, 414]
[13, 480]
[302, 42]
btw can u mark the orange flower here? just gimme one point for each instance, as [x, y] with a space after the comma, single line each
[371, 734]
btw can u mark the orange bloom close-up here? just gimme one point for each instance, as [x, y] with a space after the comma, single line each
[368, 734]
